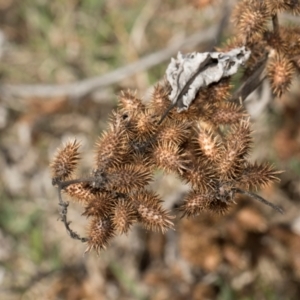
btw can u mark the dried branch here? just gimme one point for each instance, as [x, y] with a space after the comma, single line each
[275, 23]
[64, 208]
[63, 218]
[252, 82]
[260, 199]
[80, 89]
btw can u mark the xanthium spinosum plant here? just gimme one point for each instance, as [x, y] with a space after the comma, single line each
[189, 144]
[200, 132]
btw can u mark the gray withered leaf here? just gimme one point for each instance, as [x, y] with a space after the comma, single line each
[193, 71]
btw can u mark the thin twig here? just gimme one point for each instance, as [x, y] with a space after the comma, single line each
[63, 215]
[275, 23]
[85, 87]
[252, 82]
[260, 199]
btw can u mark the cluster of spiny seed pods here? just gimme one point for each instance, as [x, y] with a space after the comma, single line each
[206, 146]
[275, 51]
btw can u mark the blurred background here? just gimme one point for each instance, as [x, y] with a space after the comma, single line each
[62, 65]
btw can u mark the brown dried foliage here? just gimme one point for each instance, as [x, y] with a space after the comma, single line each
[207, 146]
[213, 160]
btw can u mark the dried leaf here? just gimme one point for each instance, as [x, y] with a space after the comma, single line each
[193, 71]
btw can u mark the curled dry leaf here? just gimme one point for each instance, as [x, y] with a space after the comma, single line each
[193, 71]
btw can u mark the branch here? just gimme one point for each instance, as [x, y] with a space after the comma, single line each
[64, 212]
[260, 199]
[85, 87]
[275, 23]
[252, 82]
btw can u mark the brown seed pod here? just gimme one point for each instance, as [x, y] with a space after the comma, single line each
[140, 160]
[240, 135]
[218, 207]
[207, 144]
[111, 147]
[277, 41]
[195, 202]
[217, 91]
[119, 122]
[100, 206]
[251, 18]
[144, 124]
[160, 99]
[129, 102]
[258, 175]
[99, 233]
[237, 147]
[206, 111]
[65, 161]
[277, 6]
[126, 178]
[123, 215]
[291, 37]
[201, 174]
[150, 212]
[280, 73]
[228, 113]
[169, 157]
[192, 114]
[173, 132]
[80, 192]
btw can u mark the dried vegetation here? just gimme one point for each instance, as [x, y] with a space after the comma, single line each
[227, 245]
[207, 146]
